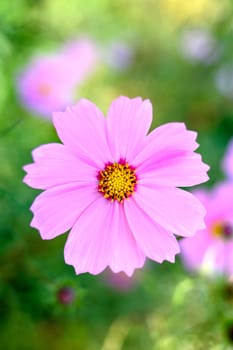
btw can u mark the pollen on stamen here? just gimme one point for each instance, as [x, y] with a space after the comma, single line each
[117, 181]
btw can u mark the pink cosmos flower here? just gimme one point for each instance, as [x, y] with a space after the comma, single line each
[228, 161]
[114, 186]
[43, 87]
[48, 83]
[210, 250]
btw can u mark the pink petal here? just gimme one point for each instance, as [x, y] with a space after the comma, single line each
[228, 258]
[193, 249]
[169, 137]
[176, 210]
[155, 242]
[89, 244]
[168, 157]
[57, 209]
[203, 195]
[128, 122]
[175, 169]
[205, 251]
[82, 129]
[56, 165]
[220, 206]
[126, 255]
[217, 258]
[228, 160]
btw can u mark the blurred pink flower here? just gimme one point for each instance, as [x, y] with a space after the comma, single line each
[210, 250]
[114, 186]
[48, 83]
[83, 57]
[228, 161]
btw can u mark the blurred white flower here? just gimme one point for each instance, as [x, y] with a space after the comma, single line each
[224, 80]
[198, 45]
[118, 55]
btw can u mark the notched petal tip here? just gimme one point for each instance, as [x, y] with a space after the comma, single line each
[26, 168]
[56, 117]
[34, 224]
[42, 151]
[205, 169]
[128, 273]
[148, 105]
[79, 271]
[148, 108]
[82, 102]
[170, 257]
[127, 99]
[26, 180]
[128, 270]
[173, 258]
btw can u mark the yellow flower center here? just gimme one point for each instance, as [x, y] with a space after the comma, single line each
[222, 230]
[117, 181]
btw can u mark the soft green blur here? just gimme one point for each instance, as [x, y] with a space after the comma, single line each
[165, 308]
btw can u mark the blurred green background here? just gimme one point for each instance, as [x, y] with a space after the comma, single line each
[43, 304]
